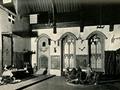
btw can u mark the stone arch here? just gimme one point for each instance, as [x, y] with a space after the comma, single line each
[98, 33]
[67, 34]
[43, 35]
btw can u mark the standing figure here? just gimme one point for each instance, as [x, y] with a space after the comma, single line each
[35, 68]
[88, 72]
[78, 75]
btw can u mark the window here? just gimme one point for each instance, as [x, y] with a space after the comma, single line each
[69, 55]
[33, 19]
[9, 14]
[96, 55]
[43, 44]
[11, 18]
[96, 50]
[13, 22]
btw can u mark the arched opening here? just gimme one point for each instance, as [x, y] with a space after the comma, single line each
[96, 44]
[68, 51]
[43, 51]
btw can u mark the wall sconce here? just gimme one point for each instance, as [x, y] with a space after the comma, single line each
[55, 50]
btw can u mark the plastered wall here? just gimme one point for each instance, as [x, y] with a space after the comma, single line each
[109, 45]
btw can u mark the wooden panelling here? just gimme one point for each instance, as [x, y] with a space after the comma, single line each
[55, 62]
[110, 62]
[82, 60]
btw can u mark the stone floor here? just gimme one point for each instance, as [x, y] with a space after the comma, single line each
[25, 83]
[58, 83]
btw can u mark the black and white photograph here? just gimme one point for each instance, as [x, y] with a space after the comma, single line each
[59, 44]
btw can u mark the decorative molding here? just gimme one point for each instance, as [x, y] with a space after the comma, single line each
[43, 49]
[68, 34]
[42, 35]
[114, 38]
[98, 33]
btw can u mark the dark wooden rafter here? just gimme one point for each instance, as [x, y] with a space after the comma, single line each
[81, 12]
[111, 27]
[54, 11]
[81, 18]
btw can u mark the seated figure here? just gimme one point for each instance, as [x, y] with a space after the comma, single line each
[7, 76]
[88, 73]
[67, 73]
[78, 76]
[91, 76]
[73, 74]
